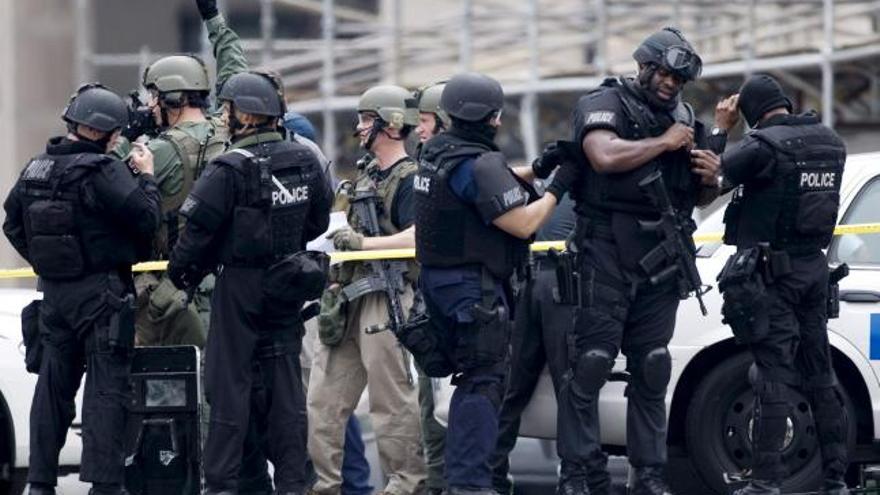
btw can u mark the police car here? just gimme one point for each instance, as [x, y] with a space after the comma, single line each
[709, 399]
[16, 391]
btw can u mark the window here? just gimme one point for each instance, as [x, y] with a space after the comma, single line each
[860, 249]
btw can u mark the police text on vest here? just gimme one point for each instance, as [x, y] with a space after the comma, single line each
[422, 184]
[817, 180]
[288, 196]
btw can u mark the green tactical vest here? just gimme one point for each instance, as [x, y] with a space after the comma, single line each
[194, 155]
[387, 190]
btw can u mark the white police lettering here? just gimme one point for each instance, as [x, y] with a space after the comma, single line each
[38, 169]
[189, 204]
[818, 180]
[288, 196]
[512, 197]
[422, 184]
[600, 118]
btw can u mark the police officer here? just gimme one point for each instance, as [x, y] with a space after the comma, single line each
[250, 214]
[81, 218]
[474, 217]
[539, 338]
[348, 358]
[355, 467]
[432, 121]
[183, 137]
[787, 171]
[629, 129]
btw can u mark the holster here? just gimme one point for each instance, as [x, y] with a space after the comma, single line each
[568, 280]
[742, 284]
[833, 301]
[418, 337]
[120, 328]
[30, 332]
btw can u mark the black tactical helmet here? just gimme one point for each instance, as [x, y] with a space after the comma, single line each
[95, 106]
[472, 97]
[667, 48]
[256, 93]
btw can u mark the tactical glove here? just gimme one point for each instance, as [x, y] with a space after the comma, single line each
[550, 158]
[346, 239]
[566, 176]
[207, 9]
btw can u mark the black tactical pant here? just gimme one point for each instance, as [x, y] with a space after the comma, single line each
[244, 328]
[794, 352]
[621, 312]
[540, 337]
[75, 318]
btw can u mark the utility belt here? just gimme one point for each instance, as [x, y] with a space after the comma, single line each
[743, 283]
[592, 228]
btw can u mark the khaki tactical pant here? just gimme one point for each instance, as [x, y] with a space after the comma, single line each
[339, 375]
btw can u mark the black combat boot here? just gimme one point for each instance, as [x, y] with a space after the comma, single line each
[834, 487]
[41, 489]
[107, 489]
[649, 481]
[573, 486]
[759, 487]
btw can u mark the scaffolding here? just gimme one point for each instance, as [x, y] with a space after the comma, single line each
[538, 47]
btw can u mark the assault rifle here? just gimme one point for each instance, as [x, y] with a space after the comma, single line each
[386, 275]
[675, 248]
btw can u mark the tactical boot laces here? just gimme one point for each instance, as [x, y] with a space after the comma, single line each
[834, 487]
[759, 487]
[573, 486]
[649, 481]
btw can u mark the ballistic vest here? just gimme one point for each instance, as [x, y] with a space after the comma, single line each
[194, 154]
[369, 179]
[275, 181]
[449, 231]
[620, 191]
[797, 210]
[68, 231]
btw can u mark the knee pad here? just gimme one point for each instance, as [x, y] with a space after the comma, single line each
[423, 340]
[592, 369]
[652, 372]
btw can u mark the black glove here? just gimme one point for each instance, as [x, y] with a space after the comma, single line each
[207, 9]
[185, 279]
[566, 177]
[140, 122]
[550, 158]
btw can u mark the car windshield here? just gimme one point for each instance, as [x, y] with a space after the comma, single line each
[860, 249]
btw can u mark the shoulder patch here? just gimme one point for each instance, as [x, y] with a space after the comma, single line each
[39, 169]
[601, 117]
[189, 204]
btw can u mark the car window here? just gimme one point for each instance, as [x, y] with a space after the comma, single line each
[712, 224]
[860, 249]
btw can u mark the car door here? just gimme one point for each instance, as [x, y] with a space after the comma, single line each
[859, 320]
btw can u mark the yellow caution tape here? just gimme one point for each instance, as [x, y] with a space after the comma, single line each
[396, 254]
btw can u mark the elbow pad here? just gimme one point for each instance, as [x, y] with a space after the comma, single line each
[498, 190]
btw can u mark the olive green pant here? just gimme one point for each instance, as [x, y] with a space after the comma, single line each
[338, 378]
